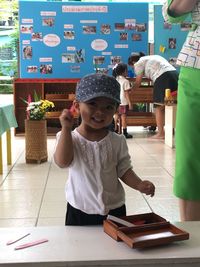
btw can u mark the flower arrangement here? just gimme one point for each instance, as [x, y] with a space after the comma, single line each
[36, 110]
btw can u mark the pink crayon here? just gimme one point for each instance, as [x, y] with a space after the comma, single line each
[72, 110]
[31, 244]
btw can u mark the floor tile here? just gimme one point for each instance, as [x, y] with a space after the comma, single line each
[54, 195]
[17, 222]
[166, 207]
[51, 221]
[53, 209]
[19, 210]
[21, 195]
[23, 183]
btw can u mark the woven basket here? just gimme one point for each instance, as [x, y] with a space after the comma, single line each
[36, 141]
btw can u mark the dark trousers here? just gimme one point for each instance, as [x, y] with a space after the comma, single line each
[168, 80]
[78, 217]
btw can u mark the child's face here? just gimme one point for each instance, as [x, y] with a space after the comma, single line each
[126, 72]
[98, 112]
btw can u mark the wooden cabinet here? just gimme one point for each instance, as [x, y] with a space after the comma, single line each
[59, 91]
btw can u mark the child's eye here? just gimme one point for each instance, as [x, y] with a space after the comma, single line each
[91, 103]
[110, 107]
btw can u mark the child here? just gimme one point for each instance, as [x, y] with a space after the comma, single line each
[120, 72]
[96, 157]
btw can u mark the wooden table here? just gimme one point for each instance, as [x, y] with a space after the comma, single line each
[7, 121]
[89, 246]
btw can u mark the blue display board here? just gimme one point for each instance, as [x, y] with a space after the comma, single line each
[168, 38]
[72, 39]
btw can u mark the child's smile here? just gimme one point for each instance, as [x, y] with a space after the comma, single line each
[97, 120]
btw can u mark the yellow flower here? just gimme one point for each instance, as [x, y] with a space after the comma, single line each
[36, 110]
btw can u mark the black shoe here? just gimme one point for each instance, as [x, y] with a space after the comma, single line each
[152, 128]
[128, 135]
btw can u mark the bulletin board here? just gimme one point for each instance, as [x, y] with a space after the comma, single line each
[168, 38]
[72, 39]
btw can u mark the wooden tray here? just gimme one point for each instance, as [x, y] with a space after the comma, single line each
[56, 96]
[152, 235]
[111, 228]
[53, 114]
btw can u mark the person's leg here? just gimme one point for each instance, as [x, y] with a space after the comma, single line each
[160, 121]
[189, 210]
[186, 183]
[116, 118]
[124, 126]
[123, 110]
[167, 80]
[123, 116]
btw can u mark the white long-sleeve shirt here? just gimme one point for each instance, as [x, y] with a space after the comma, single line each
[93, 185]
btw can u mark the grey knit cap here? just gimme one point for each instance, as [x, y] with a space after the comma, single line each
[98, 85]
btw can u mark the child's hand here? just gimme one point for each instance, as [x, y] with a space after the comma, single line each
[130, 106]
[147, 188]
[66, 119]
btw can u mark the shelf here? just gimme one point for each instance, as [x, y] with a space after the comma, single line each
[59, 100]
[54, 90]
[53, 114]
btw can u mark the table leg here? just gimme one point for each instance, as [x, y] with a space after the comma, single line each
[1, 157]
[170, 120]
[9, 154]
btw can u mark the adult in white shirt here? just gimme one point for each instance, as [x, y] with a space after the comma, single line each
[163, 75]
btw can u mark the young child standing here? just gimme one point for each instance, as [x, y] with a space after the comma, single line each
[96, 157]
[120, 72]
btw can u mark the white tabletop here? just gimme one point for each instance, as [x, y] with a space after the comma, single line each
[90, 246]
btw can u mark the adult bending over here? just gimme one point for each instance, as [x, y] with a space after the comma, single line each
[163, 75]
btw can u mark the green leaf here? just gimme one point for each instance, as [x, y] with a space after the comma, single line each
[36, 97]
[26, 102]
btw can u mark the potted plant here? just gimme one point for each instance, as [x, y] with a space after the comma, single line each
[36, 129]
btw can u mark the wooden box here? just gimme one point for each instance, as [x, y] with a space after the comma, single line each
[150, 230]
[112, 228]
[152, 235]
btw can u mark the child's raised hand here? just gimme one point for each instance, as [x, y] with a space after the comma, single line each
[67, 118]
[147, 188]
